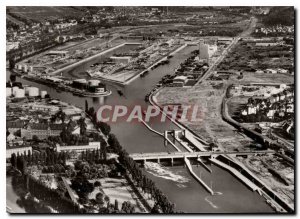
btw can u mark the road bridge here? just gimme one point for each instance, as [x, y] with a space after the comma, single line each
[173, 155]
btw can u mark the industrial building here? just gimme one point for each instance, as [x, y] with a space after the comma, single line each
[179, 81]
[58, 53]
[121, 59]
[91, 146]
[203, 51]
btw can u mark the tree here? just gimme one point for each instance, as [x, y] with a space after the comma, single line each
[97, 184]
[35, 138]
[116, 205]
[106, 199]
[13, 160]
[86, 106]
[104, 127]
[82, 126]
[103, 151]
[12, 77]
[100, 198]
[127, 207]
[12, 64]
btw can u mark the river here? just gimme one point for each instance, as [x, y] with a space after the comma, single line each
[188, 195]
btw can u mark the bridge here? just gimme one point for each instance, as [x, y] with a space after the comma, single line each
[181, 155]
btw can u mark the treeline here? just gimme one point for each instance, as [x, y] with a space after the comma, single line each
[47, 158]
[32, 48]
[48, 196]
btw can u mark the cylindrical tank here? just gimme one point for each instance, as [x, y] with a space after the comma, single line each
[81, 81]
[25, 68]
[20, 93]
[26, 89]
[19, 67]
[94, 83]
[14, 89]
[31, 68]
[33, 91]
[43, 93]
[8, 91]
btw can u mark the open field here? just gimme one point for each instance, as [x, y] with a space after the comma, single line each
[40, 13]
[250, 57]
[258, 165]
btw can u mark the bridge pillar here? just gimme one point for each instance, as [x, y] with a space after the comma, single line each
[158, 160]
[173, 133]
[165, 138]
[143, 163]
[183, 133]
[172, 161]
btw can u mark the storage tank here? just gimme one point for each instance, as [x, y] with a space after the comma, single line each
[25, 68]
[31, 68]
[8, 91]
[19, 67]
[81, 81]
[26, 89]
[33, 91]
[14, 89]
[20, 93]
[94, 83]
[43, 93]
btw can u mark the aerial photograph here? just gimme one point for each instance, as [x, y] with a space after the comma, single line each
[150, 110]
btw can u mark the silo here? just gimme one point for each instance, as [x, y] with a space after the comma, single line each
[33, 91]
[94, 83]
[8, 91]
[20, 93]
[43, 93]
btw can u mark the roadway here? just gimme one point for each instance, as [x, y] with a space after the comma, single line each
[247, 32]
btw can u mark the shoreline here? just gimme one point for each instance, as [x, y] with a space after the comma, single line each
[269, 199]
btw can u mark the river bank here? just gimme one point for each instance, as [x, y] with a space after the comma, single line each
[189, 197]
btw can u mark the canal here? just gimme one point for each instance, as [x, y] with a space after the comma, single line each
[188, 195]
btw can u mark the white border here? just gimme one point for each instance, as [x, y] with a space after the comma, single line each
[5, 3]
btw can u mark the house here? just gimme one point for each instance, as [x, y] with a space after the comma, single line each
[271, 113]
[179, 81]
[290, 108]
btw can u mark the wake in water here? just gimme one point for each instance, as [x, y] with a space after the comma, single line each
[210, 202]
[164, 172]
